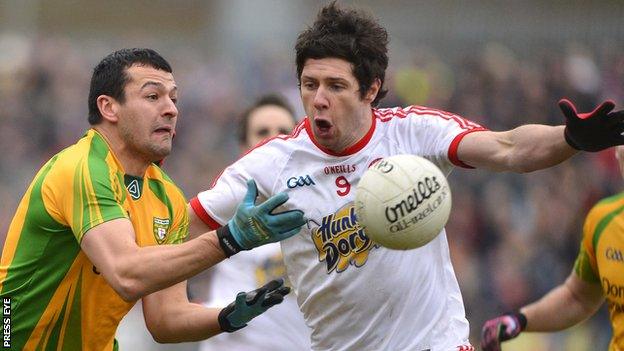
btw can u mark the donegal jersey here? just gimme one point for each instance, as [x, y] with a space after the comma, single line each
[601, 259]
[59, 299]
[355, 294]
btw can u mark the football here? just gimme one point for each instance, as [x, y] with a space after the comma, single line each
[402, 202]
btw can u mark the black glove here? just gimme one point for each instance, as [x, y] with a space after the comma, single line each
[593, 131]
[251, 304]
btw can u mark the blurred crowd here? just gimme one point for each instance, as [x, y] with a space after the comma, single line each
[512, 237]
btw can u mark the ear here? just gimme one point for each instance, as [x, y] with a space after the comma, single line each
[108, 107]
[371, 94]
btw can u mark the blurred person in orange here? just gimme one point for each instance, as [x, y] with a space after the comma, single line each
[596, 277]
[268, 117]
[102, 226]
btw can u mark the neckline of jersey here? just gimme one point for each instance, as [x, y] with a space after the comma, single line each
[97, 133]
[351, 149]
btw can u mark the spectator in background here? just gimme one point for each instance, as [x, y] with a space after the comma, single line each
[270, 116]
[597, 275]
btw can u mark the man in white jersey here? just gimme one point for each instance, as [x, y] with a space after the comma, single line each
[269, 116]
[356, 295]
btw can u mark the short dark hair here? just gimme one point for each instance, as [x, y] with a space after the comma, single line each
[348, 34]
[110, 75]
[266, 100]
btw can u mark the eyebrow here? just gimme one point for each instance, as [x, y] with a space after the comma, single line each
[157, 84]
[329, 79]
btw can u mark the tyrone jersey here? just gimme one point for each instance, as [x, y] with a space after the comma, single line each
[355, 294]
[601, 259]
[59, 300]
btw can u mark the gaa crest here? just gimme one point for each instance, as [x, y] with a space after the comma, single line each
[161, 227]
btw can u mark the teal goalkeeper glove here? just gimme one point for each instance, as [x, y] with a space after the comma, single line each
[249, 305]
[253, 225]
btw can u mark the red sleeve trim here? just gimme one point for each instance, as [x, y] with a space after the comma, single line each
[452, 151]
[203, 215]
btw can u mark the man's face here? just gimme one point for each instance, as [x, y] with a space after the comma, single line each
[331, 99]
[265, 122]
[147, 118]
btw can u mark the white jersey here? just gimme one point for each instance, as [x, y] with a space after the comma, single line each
[355, 294]
[244, 272]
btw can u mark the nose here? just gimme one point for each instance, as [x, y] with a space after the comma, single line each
[320, 99]
[170, 109]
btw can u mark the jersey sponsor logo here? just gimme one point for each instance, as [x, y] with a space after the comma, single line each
[612, 290]
[615, 307]
[134, 189]
[613, 254]
[161, 227]
[339, 169]
[294, 182]
[340, 241]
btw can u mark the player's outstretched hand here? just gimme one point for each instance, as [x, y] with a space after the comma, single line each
[251, 304]
[254, 225]
[501, 328]
[593, 131]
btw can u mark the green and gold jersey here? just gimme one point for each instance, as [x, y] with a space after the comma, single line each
[58, 299]
[601, 259]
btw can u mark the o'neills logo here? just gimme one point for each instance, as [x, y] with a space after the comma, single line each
[340, 240]
[424, 189]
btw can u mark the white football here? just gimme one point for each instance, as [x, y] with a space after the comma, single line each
[403, 202]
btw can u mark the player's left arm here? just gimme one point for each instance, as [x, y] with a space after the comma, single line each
[566, 305]
[524, 149]
[532, 147]
[171, 318]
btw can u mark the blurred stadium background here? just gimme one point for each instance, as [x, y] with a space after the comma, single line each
[500, 63]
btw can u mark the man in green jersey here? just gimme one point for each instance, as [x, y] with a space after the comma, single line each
[102, 226]
[597, 275]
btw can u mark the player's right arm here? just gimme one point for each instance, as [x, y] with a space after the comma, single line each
[135, 271]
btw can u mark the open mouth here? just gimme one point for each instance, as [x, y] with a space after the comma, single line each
[322, 125]
[163, 130]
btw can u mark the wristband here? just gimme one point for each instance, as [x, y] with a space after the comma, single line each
[225, 324]
[227, 242]
[521, 319]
